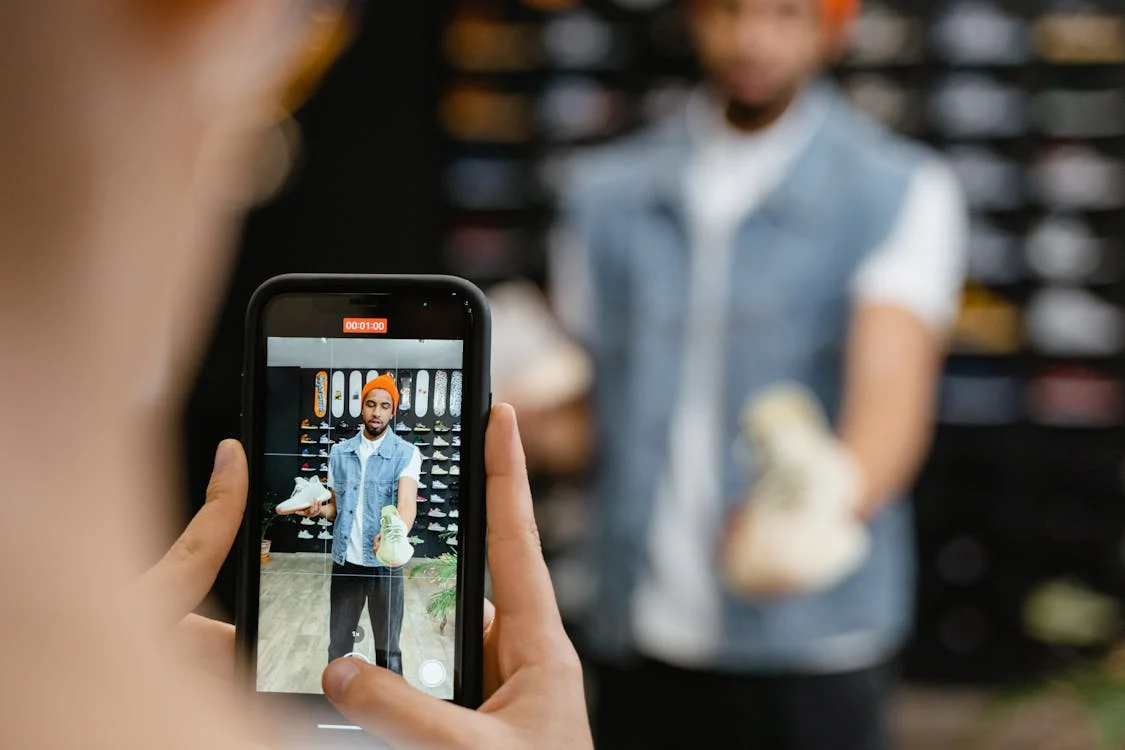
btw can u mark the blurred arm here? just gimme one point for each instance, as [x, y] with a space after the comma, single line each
[906, 298]
[408, 489]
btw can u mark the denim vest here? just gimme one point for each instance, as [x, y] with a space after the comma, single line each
[789, 306]
[380, 488]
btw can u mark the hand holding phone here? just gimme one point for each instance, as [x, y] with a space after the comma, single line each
[526, 646]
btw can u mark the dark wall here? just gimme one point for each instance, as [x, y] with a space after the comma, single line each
[357, 203]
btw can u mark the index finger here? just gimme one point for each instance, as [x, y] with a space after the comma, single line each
[521, 584]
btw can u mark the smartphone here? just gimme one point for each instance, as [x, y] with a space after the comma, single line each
[365, 401]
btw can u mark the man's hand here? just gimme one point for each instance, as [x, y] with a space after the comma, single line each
[532, 676]
[316, 510]
[378, 538]
[176, 585]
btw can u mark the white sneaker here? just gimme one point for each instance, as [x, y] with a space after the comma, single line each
[394, 550]
[454, 513]
[440, 442]
[1074, 322]
[1062, 248]
[435, 526]
[455, 471]
[435, 513]
[306, 492]
[303, 534]
[326, 534]
[325, 440]
[451, 527]
[324, 522]
[438, 471]
[440, 485]
[308, 522]
[437, 499]
[439, 456]
[451, 541]
[1079, 178]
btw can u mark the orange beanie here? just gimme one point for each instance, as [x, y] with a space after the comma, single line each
[839, 12]
[385, 382]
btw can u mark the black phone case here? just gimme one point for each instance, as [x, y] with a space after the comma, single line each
[467, 678]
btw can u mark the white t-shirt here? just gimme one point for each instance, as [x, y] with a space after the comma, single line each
[918, 267]
[366, 449]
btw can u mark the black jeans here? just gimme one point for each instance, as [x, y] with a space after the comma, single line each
[652, 705]
[381, 589]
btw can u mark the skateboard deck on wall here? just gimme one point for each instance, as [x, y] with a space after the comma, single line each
[405, 393]
[441, 392]
[421, 393]
[355, 388]
[337, 394]
[455, 394]
[371, 375]
[320, 394]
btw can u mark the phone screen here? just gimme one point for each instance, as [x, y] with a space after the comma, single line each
[360, 433]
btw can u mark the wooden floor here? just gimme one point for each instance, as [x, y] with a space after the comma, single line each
[293, 626]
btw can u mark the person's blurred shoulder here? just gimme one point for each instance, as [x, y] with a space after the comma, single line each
[624, 167]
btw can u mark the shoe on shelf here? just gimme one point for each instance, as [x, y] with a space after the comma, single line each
[439, 456]
[324, 522]
[326, 534]
[421, 499]
[435, 526]
[440, 442]
[422, 486]
[306, 492]
[454, 513]
[455, 471]
[437, 499]
[435, 513]
[343, 425]
[420, 443]
[307, 467]
[326, 426]
[306, 440]
[325, 439]
[324, 467]
[456, 456]
[452, 541]
[307, 425]
[451, 527]
[437, 470]
[393, 550]
[421, 428]
[457, 427]
[304, 534]
[323, 453]
[308, 522]
[440, 485]
[415, 540]
[440, 426]
[305, 452]
[401, 426]
[457, 441]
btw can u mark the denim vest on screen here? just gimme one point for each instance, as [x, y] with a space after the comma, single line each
[789, 306]
[380, 486]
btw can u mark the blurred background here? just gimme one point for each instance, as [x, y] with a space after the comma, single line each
[437, 144]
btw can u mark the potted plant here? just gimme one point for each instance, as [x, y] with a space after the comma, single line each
[268, 518]
[442, 572]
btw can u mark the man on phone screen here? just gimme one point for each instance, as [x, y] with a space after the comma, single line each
[367, 472]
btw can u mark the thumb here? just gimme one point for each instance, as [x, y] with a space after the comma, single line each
[385, 705]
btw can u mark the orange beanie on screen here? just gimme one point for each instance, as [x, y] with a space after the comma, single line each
[385, 382]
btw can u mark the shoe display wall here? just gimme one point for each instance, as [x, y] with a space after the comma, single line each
[290, 459]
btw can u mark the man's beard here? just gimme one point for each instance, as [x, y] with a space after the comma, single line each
[751, 117]
[373, 435]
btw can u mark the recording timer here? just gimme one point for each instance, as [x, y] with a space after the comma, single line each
[365, 325]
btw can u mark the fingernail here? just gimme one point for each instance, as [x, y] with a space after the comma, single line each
[224, 456]
[338, 676]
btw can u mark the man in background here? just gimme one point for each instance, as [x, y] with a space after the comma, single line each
[765, 283]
